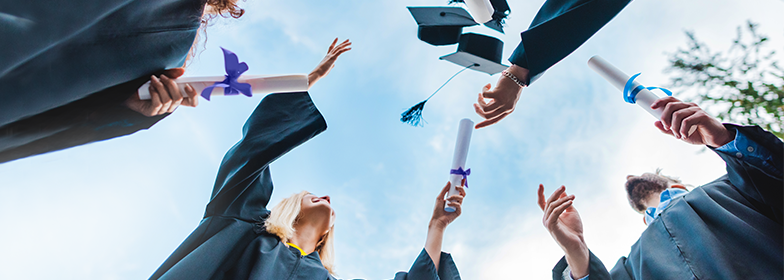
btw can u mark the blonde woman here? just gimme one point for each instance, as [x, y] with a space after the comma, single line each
[240, 239]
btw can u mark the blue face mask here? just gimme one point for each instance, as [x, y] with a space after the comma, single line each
[664, 200]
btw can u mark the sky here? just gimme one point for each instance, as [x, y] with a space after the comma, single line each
[117, 209]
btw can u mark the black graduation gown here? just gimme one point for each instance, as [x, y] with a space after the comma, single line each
[56, 56]
[230, 242]
[730, 228]
[559, 28]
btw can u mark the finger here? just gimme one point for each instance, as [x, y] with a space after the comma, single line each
[492, 109]
[677, 118]
[690, 124]
[661, 102]
[456, 198]
[556, 194]
[332, 46]
[490, 121]
[540, 196]
[487, 93]
[481, 100]
[155, 102]
[192, 100]
[174, 73]
[669, 109]
[456, 205]
[551, 208]
[553, 219]
[444, 191]
[461, 190]
[344, 44]
[162, 94]
[660, 126]
[174, 93]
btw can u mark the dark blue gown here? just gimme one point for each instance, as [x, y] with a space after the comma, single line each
[730, 228]
[67, 66]
[559, 28]
[230, 242]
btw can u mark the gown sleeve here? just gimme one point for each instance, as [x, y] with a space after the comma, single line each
[97, 117]
[424, 269]
[281, 122]
[763, 189]
[596, 269]
[29, 28]
[559, 28]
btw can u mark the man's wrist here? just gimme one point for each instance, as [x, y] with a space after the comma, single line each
[578, 260]
[519, 72]
[726, 136]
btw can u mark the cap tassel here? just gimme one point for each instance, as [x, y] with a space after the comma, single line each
[413, 115]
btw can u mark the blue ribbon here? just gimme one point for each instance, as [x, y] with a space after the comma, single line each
[630, 94]
[233, 71]
[461, 172]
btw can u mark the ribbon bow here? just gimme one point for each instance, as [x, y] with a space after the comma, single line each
[461, 172]
[233, 71]
[630, 94]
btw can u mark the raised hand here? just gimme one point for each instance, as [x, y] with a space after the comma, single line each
[165, 96]
[441, 218]
[503, 98]
[322, 69]
[679, 117]
[565, 226]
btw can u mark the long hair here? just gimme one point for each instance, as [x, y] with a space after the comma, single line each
[214, 9]
[281, 222]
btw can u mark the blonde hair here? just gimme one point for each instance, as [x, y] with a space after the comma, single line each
[281, 222]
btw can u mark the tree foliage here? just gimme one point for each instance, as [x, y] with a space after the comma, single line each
[743, 85]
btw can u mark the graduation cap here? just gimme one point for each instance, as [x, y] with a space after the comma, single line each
[476, 51]
[440, 26]
[491, 13]
[479, 51]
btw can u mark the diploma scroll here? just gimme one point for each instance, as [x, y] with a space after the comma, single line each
[480, 10]
[617, 78]
[259, 84]
[459, 158]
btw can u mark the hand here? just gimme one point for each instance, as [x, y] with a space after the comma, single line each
[441, 218]
[563, 222]
[503, 97]
[678, 118]
[328, 62]
[165, 96]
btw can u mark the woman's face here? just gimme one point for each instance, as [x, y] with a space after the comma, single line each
[316, 207]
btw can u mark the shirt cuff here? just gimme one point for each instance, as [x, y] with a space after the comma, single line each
[744, 148]
[567, 274]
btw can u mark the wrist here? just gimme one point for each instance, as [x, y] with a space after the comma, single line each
[725, 136]
[519, 72]
[436, 226]
[578, 260]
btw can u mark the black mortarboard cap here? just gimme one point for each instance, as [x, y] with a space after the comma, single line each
[481, 51]
[441, 25]
[502, 11]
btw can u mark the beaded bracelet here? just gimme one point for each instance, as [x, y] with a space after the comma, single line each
[513, 78]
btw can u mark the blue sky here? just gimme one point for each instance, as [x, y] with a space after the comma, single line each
[117, 209]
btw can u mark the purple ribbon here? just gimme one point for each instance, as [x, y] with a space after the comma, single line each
[461, 172]
[233, 71]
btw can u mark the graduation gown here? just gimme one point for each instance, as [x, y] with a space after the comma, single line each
[230, 242]
[730, 228]
[62, 61]
[559, 28]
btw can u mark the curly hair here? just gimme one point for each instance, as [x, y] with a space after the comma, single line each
[213, 9]
[640, 188]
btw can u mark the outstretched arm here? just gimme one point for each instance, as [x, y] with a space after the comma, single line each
[280, 123]
[558, 29]
[432, 263]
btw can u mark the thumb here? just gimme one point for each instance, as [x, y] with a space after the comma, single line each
[174, 73]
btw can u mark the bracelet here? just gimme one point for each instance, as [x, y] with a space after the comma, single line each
[513, 78]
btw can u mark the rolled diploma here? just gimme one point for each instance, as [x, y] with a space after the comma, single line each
[617, 78]
[260, 84]
[481, 10]
[459, 158]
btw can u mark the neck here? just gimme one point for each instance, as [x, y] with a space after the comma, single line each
[306, 237]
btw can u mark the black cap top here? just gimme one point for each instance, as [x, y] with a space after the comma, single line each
[441, 25]
[481, 51]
